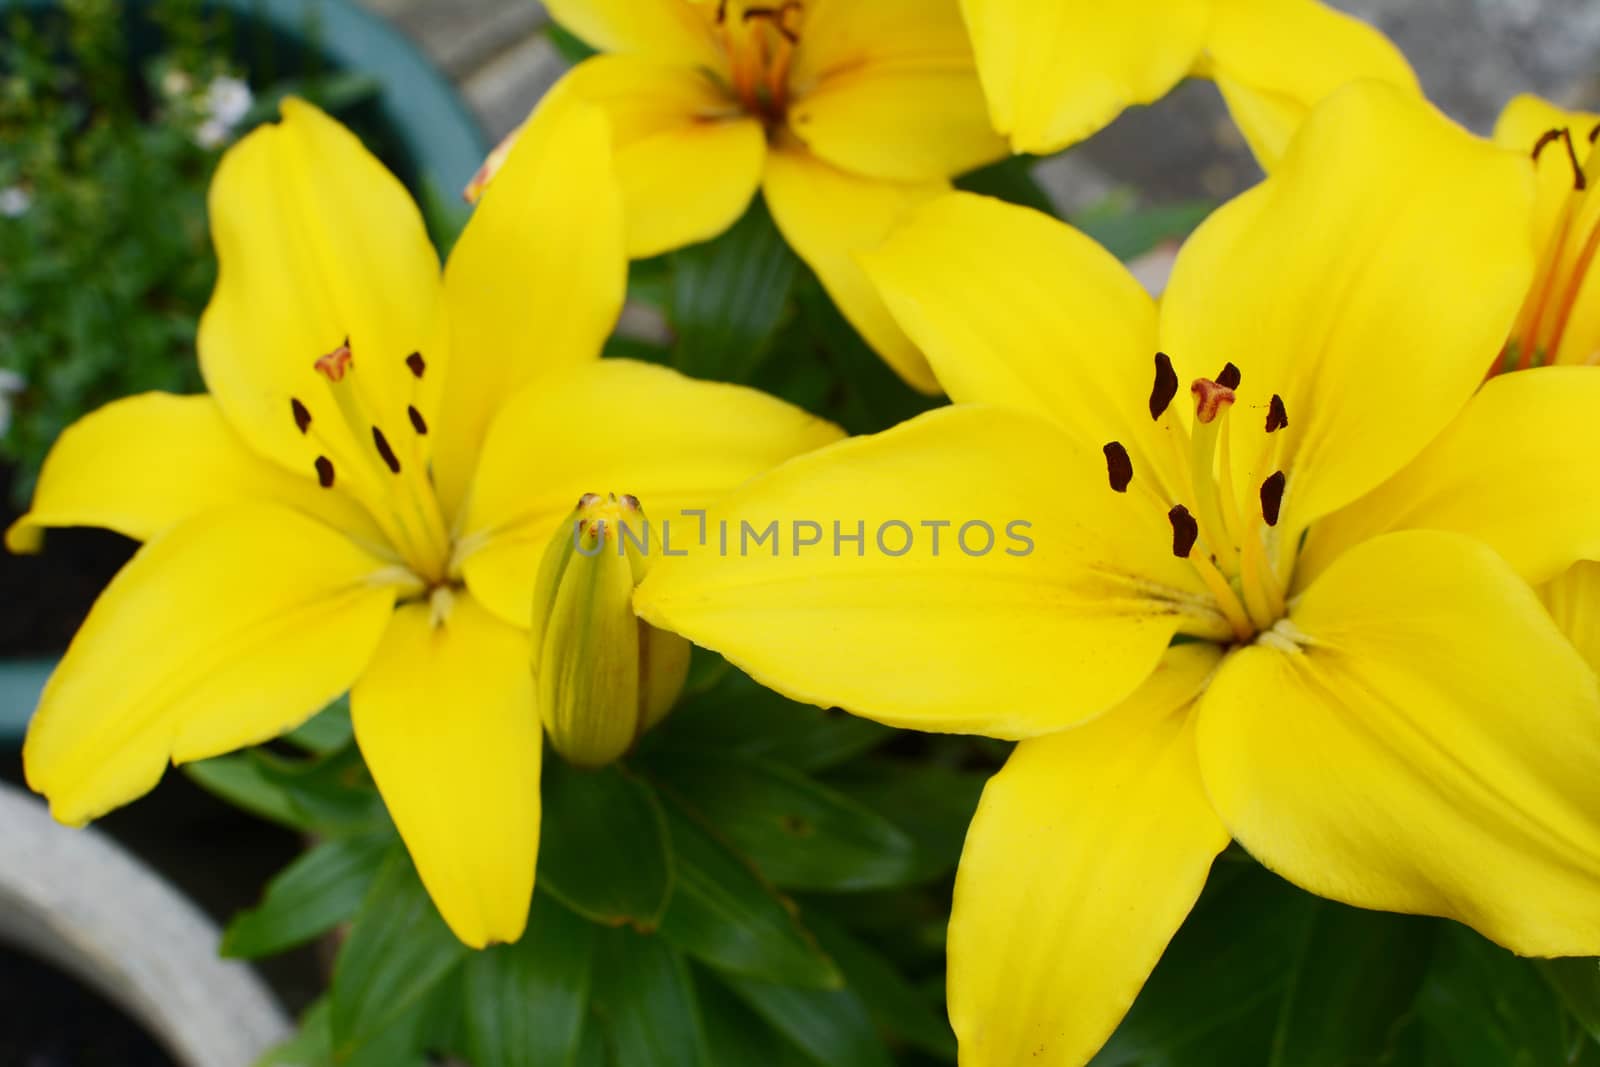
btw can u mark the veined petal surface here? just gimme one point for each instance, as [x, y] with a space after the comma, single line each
[829, 217]
[145, 463]
[1573, 599]
[316, 243]
[1087, 851]
[676, 30]
[535, 283]
[1049, 624]
[1057, 72]
[1431, 748]
[1275, 60]
[224, 632]
[446, 720]
[1519, 469]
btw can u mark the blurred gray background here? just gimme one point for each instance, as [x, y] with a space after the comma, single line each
[1472, 56]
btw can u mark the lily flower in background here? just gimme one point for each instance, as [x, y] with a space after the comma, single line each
[362, 499]
[1056, 73]
[1277, 582]
[844, 113]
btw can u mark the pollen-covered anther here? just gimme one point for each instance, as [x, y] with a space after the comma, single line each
[1229, 377]
[1185, 531]
[1277, 414]
[416, 364]
[1272, 497]
[302, 416]
[1210, 398]
[417, 422]
[335, 364]
[1165, 387]
[1119, 467]
[381, 443]
[325, 472]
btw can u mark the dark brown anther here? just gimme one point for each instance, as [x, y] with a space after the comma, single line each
[1277, 414]
[1166, 386]
[1184, 531]
[777, 15]
[1272, 497]
[1210, 399]
[1118, 466]
[325, 472]
[1564, 135]
[415, 362]
[302, 417]
[417, 422]
[381, 442]
[1230, 376]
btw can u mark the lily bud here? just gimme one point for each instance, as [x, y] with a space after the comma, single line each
[602, 675]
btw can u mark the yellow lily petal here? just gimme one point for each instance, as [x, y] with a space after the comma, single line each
[535, 283]
[1565, 221]
[1522, 123]
[1574, 602]
[1518, 470]
[1309, 283]
[829, 217]
[1087, 851]
[145, 463]
[687, 159]
[1014, 308]
[615, 427]
[1055, 73]
[662, 29]
[1275, 60]
[446, 721]
[889, 90]
[316, 242]
[1433, 748]
[225, 632]
[968, 636]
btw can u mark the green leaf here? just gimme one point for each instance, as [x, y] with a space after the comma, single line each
[525, 1003]
[398, 953]
[1265, 973]
[831, 1026]
[931, 803]
[728, 296]
[736, 1036]
[740, 715]
[1487, 1008]
[313, 894]
[892, 1002]
[330, 795]
[603, 849]
[800, 835]
[1127, 231]
[326, 732]
[1010, 179]
[725, 915]
[571, 48]
[1577, 979]
[645, 1001]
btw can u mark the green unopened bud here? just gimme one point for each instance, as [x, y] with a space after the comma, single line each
[602, 675]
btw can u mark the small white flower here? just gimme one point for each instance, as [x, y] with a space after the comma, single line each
[176, 83]
[210, 134]
[10, 382]
[14, 203]
[228, 99]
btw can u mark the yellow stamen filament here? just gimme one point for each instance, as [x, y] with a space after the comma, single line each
[760, 42]
[1571, 251]
[1227, 599]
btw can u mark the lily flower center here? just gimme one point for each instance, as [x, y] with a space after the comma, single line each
[1565, 260]
[382, 462]
[1225, 531]
[760, 41]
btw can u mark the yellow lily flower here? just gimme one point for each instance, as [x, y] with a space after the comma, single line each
[361, 501]
[1055, 73]
[844, 113]
[1367, 695]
